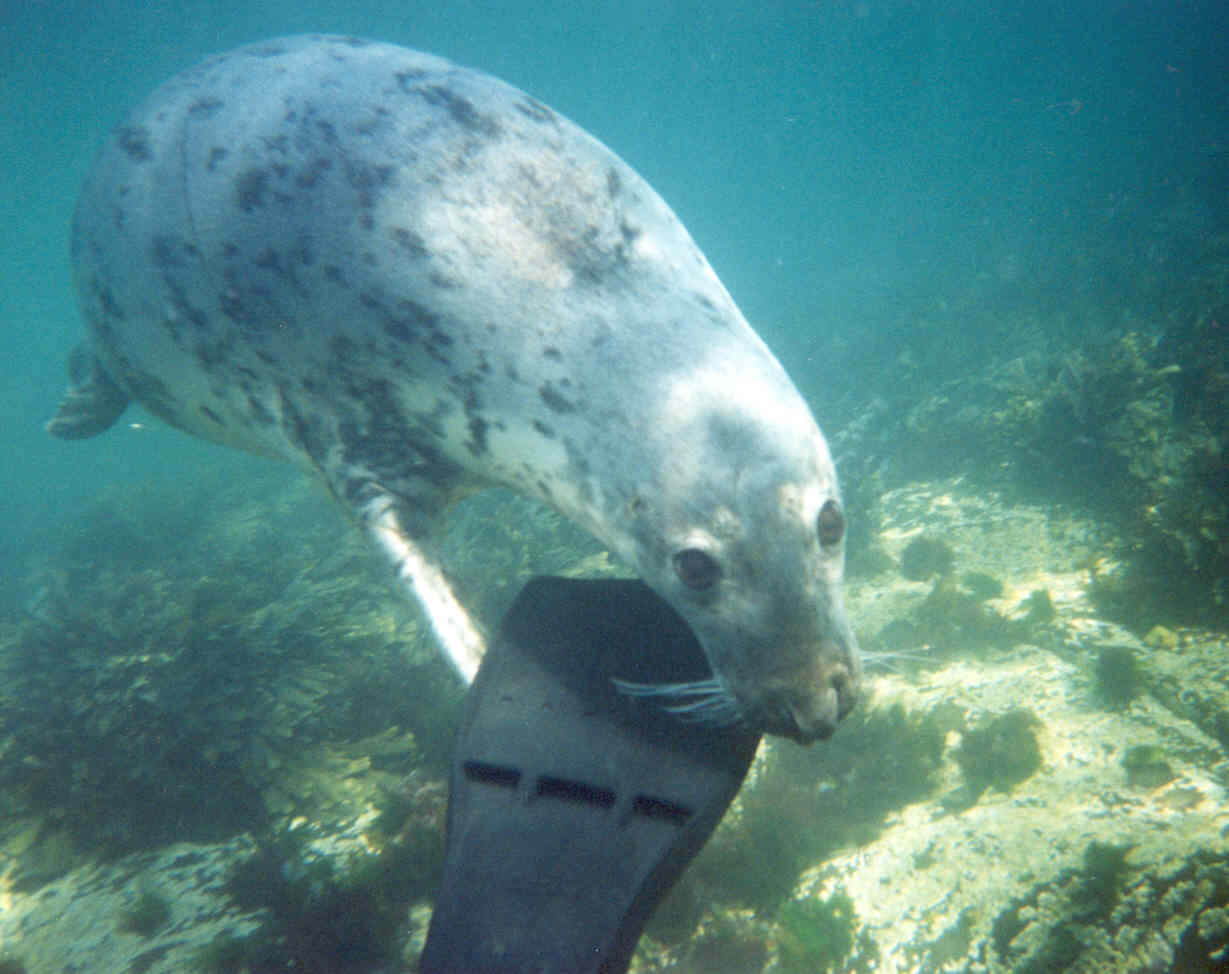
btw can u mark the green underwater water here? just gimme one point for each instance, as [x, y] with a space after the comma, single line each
[988, 241]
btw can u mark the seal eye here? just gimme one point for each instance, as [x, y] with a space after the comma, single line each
[831, 524]
[697, 569]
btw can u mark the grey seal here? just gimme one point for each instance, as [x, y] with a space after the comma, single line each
[414, 280]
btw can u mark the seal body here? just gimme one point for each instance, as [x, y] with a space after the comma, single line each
[415, 280]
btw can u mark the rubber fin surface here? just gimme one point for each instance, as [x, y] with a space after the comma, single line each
[574, 808]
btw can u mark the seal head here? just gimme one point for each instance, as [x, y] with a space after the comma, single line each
[744, 536]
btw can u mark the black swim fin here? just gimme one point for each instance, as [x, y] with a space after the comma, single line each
[574, 808]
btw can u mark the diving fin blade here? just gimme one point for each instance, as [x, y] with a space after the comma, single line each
[574, 808]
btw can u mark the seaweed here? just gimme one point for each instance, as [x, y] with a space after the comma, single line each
[821, 935]
[924, 557]
[1146, 767]
[1000, 754]
[1119, 679]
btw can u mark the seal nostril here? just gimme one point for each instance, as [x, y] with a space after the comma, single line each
[842, 681]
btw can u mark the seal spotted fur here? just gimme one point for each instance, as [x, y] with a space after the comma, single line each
[415, 280]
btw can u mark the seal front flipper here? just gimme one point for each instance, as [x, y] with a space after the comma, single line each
[457, 632]
[92, 402]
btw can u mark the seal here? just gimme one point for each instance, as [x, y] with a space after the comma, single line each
[414, 281]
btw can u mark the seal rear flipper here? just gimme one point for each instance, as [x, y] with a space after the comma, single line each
[92, 402]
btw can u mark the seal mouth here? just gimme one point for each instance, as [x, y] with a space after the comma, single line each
[804, 712]
[809, 709]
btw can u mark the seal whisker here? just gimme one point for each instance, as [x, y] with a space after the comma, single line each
[886, 660]
[699, 701]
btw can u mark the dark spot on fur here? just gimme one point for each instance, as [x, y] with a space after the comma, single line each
[592, 260]
[205, 107]
[543, 429]
[372, 123]
[150, 392]
[250, 189]
[367, 179]
[443, 281]
[477, 435]
[165, 252]
[552, 353]
[268, 51]
[303, 252]
[216, 155]
[437, 349]
[310, 174]
[134, 140]
[530, 175]
[628, 232]
[534, 109]
[342, 348]
[106, 301]
[185, 309]
[326, 130]
[306, 433]
[211, 415]
[461, 109]
[397, 329]
[368, 182]
[410, 242]
[407, 78]
[614, 183]
[332, 273]
[555, 400]
[232, 305]
[270, 260]
[259, 412]
[409, 320]
[209, 356]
